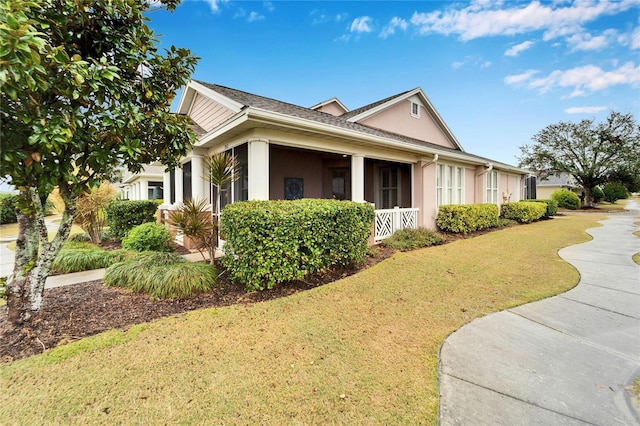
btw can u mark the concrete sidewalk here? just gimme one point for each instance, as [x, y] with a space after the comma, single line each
[566, 360]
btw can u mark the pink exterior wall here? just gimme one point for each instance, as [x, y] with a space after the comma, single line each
[470, 195]
[424, 179]
[398, 119]
[331, 108]
[208, 114]
[509, 188]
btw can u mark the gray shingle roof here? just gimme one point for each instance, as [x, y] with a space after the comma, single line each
[360, 110]
[273, 105]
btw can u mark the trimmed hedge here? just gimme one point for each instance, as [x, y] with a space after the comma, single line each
[523, 211]
[566, 199]
[552, 207]
[123, 215]
[7, 209]
[269, 242]
[614, 191]
[465, 218]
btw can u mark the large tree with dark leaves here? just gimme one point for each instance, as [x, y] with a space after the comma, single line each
[590, 152]
[85, 89]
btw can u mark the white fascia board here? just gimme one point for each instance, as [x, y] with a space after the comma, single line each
[216, 97]
[186, 99]
[329, 101]
[434, 112]
[301, 123]
[222, 128]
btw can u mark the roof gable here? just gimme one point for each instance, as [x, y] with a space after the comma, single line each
[391, 114]
[331, 106]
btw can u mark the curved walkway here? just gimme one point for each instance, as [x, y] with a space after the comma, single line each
[566, 360]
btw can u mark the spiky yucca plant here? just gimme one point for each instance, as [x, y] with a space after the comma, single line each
[194, 221]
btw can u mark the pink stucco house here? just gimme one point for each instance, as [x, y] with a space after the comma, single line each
[396, 153]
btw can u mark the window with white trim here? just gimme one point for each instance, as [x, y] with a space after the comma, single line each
[449, 184]
[388, 187]
[415, 110]
[492, 187]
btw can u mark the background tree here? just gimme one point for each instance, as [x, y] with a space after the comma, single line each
[90, 215]
[587, 151]
[84, 90]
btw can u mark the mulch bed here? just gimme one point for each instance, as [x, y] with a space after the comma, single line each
[72, 312]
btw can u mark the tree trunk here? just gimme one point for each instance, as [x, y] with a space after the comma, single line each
[588, 196]
[34, 256]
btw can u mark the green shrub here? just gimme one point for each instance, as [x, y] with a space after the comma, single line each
[552, 207]
[123, 215]
[3, 291]
[166, 275]
[523, 211]
[566, 199]
[411, 239]
[149, 236]
[269, 242]
[465, 218]
[86, 259]
[614, 191]
[597, 194]
[7, 209]
[79, 237]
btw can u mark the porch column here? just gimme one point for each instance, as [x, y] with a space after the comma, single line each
[197, 178]
[357, 178]
[258, 168]
[166, 188]
[143, 190]
[136, 190]
[179, 190]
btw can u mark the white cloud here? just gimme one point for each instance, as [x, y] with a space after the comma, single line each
[457, 65]
[395, 23]
[485, 64]
[585, 41]
[255, 16]
[215, 4]
[635, 39]
[269, 6]
[518, 48]
[485, 18]
[582, 80]
[361, 24]
[585, 110]
[520, 78]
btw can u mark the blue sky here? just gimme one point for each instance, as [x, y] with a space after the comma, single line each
[497, 71]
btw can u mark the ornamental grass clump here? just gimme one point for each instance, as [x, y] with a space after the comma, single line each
[162, 276]
[87, 258]
[411, 239]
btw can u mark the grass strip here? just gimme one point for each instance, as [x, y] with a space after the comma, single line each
[362, 350]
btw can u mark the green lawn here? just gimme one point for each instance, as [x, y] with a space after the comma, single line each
[362, 350]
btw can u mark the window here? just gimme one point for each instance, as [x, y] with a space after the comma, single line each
[238, 188]
[415, 110]
[492, 187]
[339, 184]
[388, 187]
[186, 181]
[449, 184]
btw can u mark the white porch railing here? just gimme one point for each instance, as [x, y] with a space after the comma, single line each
[389, 221]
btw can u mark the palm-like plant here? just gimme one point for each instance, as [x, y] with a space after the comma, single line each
[221, 169]
[193, 221]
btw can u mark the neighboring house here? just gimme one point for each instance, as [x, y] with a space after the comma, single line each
[550, 184]
[146, 185]
[394, 153]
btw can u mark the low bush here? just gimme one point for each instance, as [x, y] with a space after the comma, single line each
[80, 237]
[552, 207]
[269, 242]
[614, 191]
[597, 194]
[86, 259]
[166, 276]
[124, 215]
[566, 199]
[523, 211]
[465, 218]
[411, 239]
[149, 236]
[7, 209]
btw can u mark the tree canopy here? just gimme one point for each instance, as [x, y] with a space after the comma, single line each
[84, 91]
[590, 152]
